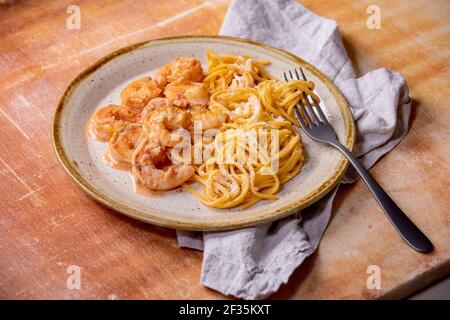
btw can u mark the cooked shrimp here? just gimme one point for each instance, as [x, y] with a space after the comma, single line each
[159, 125]
[155, 104]
[124, 142]
[138, 93]
[184, 93]
[185, 69]
[108, 120]
[209, 119]
[144, 168]
[160, 104]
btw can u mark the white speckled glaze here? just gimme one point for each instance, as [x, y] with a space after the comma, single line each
[101, 84]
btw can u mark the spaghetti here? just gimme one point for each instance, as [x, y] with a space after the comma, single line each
[257, 150]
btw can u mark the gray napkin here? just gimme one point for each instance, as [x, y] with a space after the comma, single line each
[252, 263]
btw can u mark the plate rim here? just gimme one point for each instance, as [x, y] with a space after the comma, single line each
[150, 217]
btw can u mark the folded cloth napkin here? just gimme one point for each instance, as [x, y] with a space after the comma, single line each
[252, 263]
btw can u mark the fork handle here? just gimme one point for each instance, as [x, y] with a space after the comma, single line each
[405, 227]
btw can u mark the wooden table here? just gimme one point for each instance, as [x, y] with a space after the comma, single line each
[47, 224]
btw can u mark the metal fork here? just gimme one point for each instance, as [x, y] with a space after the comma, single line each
[316, 125]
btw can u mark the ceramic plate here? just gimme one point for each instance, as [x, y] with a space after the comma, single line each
[101, 84]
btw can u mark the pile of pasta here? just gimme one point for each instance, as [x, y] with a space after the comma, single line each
[258, 149]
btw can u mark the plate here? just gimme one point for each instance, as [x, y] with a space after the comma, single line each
[101, 84]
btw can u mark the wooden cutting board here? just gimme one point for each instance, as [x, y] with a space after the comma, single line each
[49, 228]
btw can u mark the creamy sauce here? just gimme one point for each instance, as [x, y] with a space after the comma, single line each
[143, 190]
[89, 131]
[113, 163]
[125, 166]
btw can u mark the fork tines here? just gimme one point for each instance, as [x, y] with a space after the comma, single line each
[311, 110]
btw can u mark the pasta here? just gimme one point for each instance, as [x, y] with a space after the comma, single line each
[257, 150]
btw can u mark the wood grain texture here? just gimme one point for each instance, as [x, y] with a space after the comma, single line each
[48, 224]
